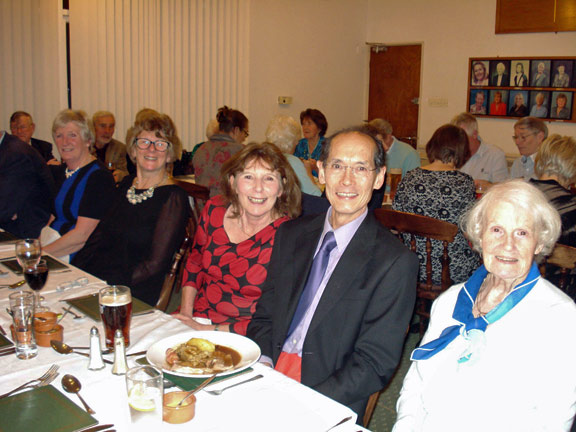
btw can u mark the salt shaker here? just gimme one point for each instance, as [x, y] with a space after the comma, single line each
[96, 361]
[120, 366]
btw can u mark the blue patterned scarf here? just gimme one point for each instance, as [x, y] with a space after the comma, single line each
[470, 327]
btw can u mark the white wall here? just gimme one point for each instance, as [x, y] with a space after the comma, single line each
[451, 31]
[312, 50]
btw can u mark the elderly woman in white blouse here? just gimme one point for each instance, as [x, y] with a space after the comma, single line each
[500, 352]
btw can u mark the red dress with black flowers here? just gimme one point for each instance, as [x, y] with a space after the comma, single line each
[227, 276]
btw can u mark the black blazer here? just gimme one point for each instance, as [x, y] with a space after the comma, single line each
[26, 188]
[505, 80]
[43, 147]
[355, 339]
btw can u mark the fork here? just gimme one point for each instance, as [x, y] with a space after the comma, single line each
[220, 391]
[44, 380]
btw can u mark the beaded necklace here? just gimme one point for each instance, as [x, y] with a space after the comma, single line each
[134, 198]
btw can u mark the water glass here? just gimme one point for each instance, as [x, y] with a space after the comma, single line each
[145, 388]
[22, 311]
[28, 252]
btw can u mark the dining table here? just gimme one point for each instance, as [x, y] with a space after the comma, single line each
[272, 403]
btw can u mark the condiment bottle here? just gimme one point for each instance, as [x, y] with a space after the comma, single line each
[120, 367]
[96, 361]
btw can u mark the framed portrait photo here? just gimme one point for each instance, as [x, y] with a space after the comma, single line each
[478, 101]
[562, 73]
[539, 73]
[479, 73]
[519, 73]
[498, 102]
[561, 105]
[500, 73]
[518, 103]
[539, 103]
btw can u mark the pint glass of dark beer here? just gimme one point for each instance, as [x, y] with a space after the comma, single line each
[116, 312]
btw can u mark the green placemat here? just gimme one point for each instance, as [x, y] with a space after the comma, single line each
[88, 305]
[188, 384]
[4, 341]
[53, 265]
[43, 409]
[5, 236]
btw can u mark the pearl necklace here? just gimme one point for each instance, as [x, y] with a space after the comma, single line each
[69, 173]
[134, 198]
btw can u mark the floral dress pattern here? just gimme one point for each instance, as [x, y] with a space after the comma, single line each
[444, 195]
[228, 276]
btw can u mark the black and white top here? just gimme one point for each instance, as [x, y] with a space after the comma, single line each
[444, 195]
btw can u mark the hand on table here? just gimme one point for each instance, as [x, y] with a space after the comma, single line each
[191, 322]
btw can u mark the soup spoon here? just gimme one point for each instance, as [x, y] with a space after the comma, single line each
[71, 384]
[62, 348]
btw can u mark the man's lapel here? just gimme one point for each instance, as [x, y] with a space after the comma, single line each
[301, 262]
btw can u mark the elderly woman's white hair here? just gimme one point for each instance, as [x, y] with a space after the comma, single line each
[284, 132]
[525, 198]
[557, 157]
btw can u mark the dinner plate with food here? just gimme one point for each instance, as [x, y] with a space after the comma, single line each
[203, 353]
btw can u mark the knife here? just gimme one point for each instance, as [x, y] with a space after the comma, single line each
[8, 352]
[98, 428]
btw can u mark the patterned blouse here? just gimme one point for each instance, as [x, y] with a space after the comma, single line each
[227, 276]
[302, 151]
[210, 157]
[444, 195]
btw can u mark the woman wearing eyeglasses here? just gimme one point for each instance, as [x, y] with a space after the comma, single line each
[439, 190]
[134, 243]
[233, 129]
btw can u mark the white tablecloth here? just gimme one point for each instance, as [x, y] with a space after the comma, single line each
[274, 403]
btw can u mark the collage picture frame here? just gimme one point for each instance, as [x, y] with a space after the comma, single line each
[516, 87]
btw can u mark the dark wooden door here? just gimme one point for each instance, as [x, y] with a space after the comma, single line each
[395, 89]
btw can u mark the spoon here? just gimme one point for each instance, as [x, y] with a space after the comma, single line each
[197, 389]
[62, 348]
[71, 384]
[74, 314]
[14, 285]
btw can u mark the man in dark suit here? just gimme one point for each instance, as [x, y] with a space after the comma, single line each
[348, 341]
[23, 127]
[500, 77]
[26, 188]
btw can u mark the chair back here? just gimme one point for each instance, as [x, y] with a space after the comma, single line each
[174, 275]
[200, 194]
[413, 226]
[563, 257]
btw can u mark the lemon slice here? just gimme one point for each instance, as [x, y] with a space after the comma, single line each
[140, 400]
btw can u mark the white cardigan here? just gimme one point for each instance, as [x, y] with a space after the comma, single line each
[524, 381]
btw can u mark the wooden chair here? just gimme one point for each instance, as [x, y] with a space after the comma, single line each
[430, 229]
[199, 193]
[370, 407]
[563, 257]
[173, 279]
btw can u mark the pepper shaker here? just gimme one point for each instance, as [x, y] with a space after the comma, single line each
[120, 366]
[96, 361]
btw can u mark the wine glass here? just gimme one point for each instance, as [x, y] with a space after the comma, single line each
[36, 276]
[28, 252]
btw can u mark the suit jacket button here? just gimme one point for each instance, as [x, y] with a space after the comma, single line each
[278, 346]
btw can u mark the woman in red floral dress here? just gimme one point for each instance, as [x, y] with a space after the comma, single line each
[233, 243]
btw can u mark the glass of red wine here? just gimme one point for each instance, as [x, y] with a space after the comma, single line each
[36, 276]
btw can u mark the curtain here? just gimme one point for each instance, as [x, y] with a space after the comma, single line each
[33, 64]
[185, 58]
